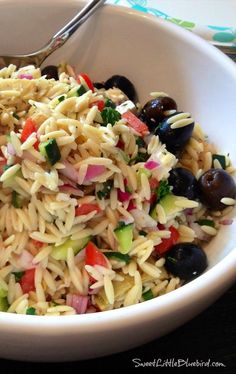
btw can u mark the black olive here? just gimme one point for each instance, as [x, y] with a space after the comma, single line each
[154, 110]
[175, 139]
[186, 261]
[214, 185]
[51, 72]
[184, 183]
[123, 84]
[98, 85]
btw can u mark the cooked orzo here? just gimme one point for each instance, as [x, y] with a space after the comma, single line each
[103, 203]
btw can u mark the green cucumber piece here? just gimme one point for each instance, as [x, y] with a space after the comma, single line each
[221, 159]
[168, 204]
[10, 182]
[3, 304]
[148, 295]
[50, 150]
[3, 293]
[60, 252]
[124, 235]
[118, 256]
[31, 311]
[81, 90]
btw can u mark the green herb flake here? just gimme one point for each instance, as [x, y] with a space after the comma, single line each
[110, 115]
[81, 90]
[141, 157]
[18, 275]
[105, 192]
[118, 256]
[61, 98]
[110, 104]
[206, 222]
[5, 167]
[31, 311]
[221, 159]
[142, 233]
[15, 116]
[148, 295]
[162, 190]
[140, 142]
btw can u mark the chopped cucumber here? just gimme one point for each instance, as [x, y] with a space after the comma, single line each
[17, 200]
[10, 182]
[118, 256]
[143, 171]
[124, 235]
[168, 204]
[31, 311]
[60, 252]
[81, 90]
[3, 293]
[148, 295]
[51, 151]
[3, 304]
[221, 159]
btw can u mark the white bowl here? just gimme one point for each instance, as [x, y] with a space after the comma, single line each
[155, 55]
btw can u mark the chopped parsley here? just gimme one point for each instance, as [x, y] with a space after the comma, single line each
[105, 192]
[18, 275]
[110, 115]
[206, 222]
[140, 142]
[109, 103]
[221, 159]
[31, 311]
[141, 157]
[162, 190]
[148, 295]
[61, 98]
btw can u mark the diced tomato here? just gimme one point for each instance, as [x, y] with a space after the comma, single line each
[120, 144]
[27, 281]
[86, 209]
[166, 244]
[87, 80]
[37, 244]
[28, 129]
[154, 183]
[99, 103]
[93, 256]
[131, 206]
[2, 164]
[135, 123]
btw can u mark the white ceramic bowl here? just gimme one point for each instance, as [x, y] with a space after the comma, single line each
[155, 55]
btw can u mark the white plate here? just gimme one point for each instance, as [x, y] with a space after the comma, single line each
[214, 20]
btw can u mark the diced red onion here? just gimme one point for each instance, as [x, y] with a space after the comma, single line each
[69, 171]
[68, 182]
[94, 171]
[80, 256]
[25, 76]
[78, 302]
[25, 260]
[71, 190]
[143, 219]
[123, 196]
[131, 206]
[151, 164]
[27, 155]
[226, 221]
[10, 149]
[200, 234]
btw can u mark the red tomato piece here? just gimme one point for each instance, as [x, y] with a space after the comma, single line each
[86, 209]
[87, 80]
[99, 103]
[28, 129]
[166, 244]
[93, 256]
[27, 281]
[135, 123]
[37, 243]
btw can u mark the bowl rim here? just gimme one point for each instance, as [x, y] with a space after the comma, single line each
[187, 294]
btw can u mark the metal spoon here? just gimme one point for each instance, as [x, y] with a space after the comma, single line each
[36, 58]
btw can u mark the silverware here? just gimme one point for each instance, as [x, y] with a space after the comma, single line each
[58, 40]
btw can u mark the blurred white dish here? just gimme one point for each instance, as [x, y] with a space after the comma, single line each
[155, 55]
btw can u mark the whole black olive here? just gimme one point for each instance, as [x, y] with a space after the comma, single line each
[98, 85]
[123, 84]
[154, 110]
[186, 261]
[174, 138]
[51, 72]
[184, 183]
[214, 185]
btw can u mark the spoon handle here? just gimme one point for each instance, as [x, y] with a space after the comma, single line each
[65, 33]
